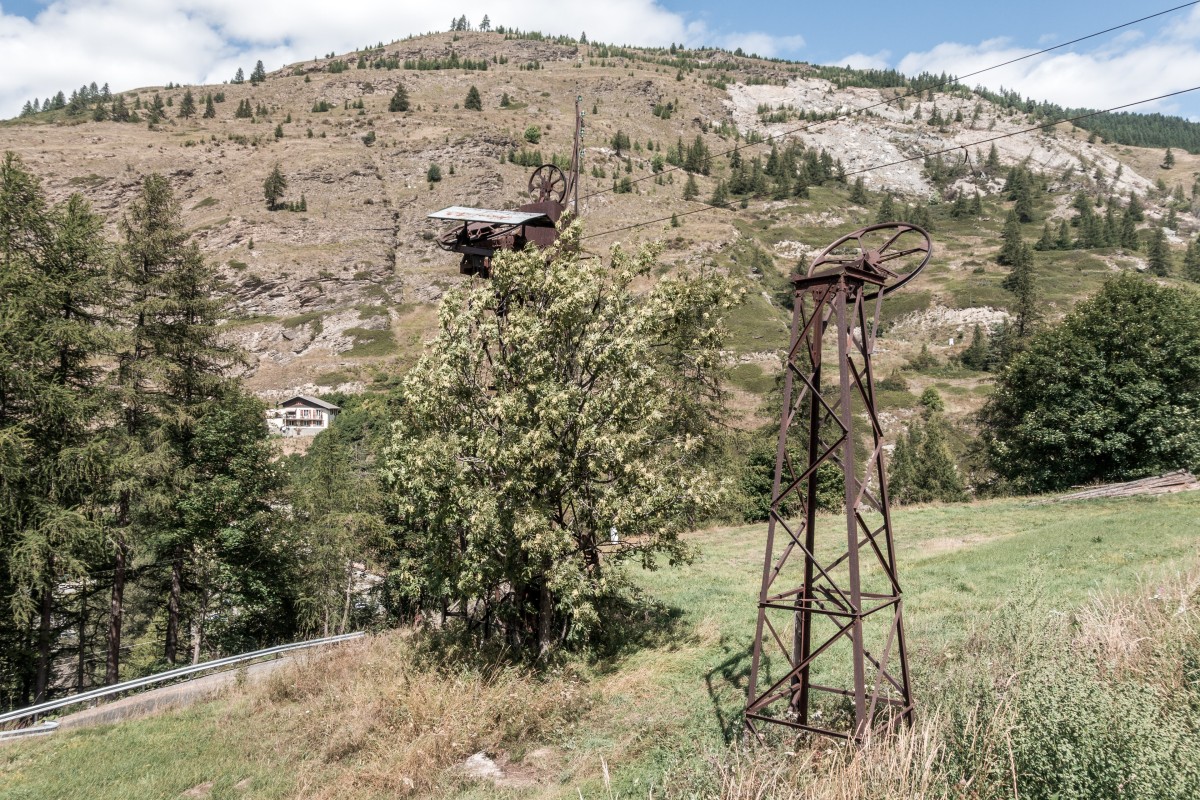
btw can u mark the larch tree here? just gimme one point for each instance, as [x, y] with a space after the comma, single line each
[399, 101]
[54, 291]
[187, 106]
[274, 187]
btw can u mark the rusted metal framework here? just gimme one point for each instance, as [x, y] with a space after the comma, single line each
[553, 193]
[829, 652]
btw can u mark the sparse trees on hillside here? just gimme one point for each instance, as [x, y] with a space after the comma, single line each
[274, 187]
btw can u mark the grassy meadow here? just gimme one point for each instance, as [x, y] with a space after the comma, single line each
[1052, 646]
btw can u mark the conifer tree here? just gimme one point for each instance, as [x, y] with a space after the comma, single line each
[274, 186]
[887, 209]
[1191, 261]
[993, 160]
[720, 195]
[210, 110]
[259, 74]
[690, 190]
[473, 102]
[399, 101]
[55, 295]
[187, 107]
[858, 194]
[977, 205]
[1157, 254]
[1168, 160]
[239, 76]
[976, 356]
[1129, 220]
[1010, 238]
[1046, 242]
[1020, 282]
[1063, 241]
[171, 371]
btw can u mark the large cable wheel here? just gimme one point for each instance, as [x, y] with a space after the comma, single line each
[894, 251]
[548, 183]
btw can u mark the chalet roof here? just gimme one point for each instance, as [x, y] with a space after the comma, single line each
[312, 401]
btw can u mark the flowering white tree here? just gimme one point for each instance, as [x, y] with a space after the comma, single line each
[556, 408]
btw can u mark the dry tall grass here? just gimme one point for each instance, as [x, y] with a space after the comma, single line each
[379, 718]
[962, 745]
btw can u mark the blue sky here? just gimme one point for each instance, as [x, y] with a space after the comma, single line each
[46, 46]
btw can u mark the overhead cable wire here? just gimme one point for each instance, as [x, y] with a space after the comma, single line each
[921, 157]
[956, 79]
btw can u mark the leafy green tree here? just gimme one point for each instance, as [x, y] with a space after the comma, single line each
[473, 102]
[187, 106]
[1111, 393]
[399, 101]
[544, 438]
[259, 74]
[274, 186]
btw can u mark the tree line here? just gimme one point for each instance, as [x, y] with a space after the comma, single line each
[144, 520]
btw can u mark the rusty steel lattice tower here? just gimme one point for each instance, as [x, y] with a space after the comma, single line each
[829, 652]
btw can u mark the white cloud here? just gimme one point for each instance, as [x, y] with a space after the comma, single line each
[1130, 67]
[131, 43]
[865, 60]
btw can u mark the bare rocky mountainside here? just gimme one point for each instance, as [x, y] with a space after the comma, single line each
[325, 297]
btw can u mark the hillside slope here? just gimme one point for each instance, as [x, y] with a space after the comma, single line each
[324, 296]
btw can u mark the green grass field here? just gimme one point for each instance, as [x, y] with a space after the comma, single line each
[654, 718]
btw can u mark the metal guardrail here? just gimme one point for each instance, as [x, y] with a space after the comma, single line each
[150, 680]
[45, 729]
